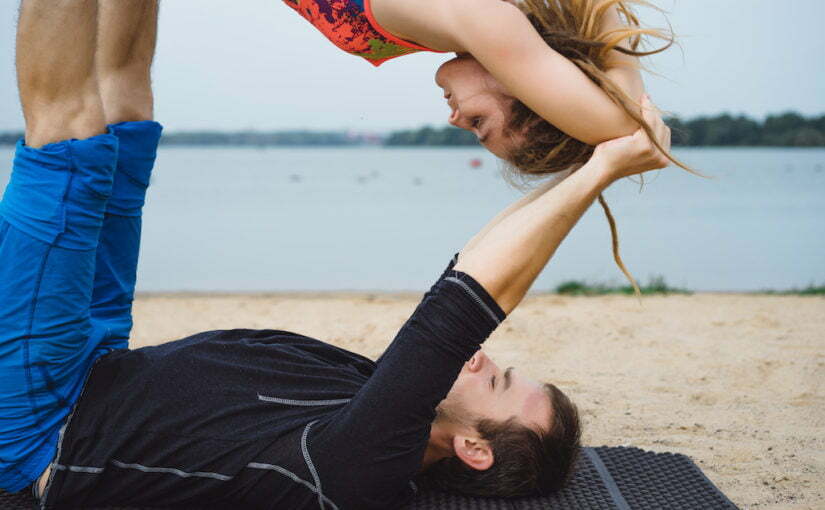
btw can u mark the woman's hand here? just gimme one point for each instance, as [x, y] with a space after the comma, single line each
[636, 153]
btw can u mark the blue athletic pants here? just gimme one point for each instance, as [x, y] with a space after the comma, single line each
[70, 223]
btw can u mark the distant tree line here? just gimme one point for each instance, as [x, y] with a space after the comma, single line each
[782, 130]
[428, 135]
[10, 137]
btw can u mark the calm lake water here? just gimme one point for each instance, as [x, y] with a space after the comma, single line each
[236, 219]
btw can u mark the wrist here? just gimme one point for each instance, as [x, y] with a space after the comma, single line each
[599, 172]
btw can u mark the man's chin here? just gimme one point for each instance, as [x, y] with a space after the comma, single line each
[449, 412]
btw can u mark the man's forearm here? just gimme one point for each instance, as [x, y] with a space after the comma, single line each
[511, 255]
[513, 208]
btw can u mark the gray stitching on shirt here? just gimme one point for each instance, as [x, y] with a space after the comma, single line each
[78, 469]
[310, 465]
[294, 478]
[173, 471]
[217, 476]
[44, 496]
[475, 297]
[304, 403]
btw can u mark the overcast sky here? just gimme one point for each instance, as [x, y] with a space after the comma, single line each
[255, 64]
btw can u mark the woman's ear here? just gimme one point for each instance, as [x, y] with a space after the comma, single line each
[473, 451]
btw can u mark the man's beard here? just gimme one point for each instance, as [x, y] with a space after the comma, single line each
[451, 411]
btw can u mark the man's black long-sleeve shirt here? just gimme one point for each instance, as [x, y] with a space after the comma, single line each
[269, 419]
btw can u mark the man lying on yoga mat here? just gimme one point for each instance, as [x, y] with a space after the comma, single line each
[242, 419]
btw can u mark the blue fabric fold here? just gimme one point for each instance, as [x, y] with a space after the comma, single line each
[58, 193]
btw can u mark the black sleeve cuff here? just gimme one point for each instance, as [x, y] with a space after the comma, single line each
[477, 292]
[449, 268]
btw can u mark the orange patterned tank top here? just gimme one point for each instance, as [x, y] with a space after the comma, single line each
[350, 25]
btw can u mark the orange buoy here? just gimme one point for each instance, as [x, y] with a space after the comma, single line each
[475, 162]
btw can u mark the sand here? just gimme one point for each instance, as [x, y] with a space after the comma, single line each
[737, 382]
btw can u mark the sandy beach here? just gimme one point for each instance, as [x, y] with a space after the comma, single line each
[736, 382]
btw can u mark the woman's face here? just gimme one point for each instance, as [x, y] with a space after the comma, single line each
[478, 102]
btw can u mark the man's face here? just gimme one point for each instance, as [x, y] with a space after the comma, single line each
[485, 391]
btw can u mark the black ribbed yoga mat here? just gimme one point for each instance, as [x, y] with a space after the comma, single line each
[606, 478]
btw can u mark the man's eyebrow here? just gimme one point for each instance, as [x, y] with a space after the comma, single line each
[507, 378]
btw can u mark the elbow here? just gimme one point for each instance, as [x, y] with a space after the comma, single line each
[489, 277]
[508, 301]
[506, 296]
[624, 125]
[506, 292]
[621, 122]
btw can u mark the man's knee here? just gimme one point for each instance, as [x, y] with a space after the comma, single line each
[127, 95]
[51, 117]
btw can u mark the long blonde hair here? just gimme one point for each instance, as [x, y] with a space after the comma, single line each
[573, 28]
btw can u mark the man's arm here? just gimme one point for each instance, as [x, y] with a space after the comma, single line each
[379, 433]
[509, 257]
[528, 198]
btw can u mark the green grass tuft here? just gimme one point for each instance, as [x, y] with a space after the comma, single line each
[810, 290]
[656, 285]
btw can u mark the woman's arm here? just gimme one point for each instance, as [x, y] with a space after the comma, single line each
[513, 252]
[501, 38]
[504, 42]
[624, 69]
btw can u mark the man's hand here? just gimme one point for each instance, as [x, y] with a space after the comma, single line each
[636, 153]
[509, 255]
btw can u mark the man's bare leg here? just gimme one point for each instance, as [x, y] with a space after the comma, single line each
[127, 32]
[55, 70]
